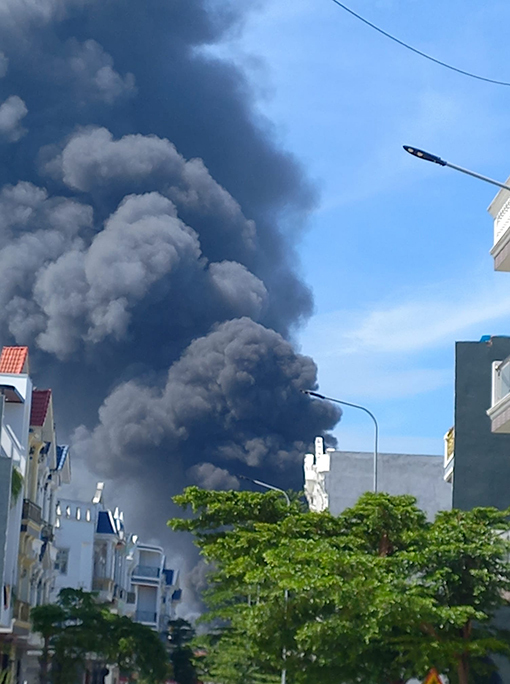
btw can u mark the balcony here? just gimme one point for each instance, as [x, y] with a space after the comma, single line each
[105, 587]
[499, 412]
[500, 211]
[146, 572]
[146, 616]
[31, 518]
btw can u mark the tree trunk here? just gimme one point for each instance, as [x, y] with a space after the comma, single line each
[463, 669]
[45, 661]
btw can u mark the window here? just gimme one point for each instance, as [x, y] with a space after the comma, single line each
[62, 561]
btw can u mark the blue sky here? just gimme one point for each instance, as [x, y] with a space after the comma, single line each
[397, 251]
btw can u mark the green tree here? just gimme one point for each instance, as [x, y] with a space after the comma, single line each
[79, 628]
[376, 594]
[180, 636]
[48, 621]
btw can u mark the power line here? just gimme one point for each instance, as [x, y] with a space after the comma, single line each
[415, 50]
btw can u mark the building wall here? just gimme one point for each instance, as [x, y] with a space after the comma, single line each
[482, 458]
[5, 501]
[351, 475]
[77, 536]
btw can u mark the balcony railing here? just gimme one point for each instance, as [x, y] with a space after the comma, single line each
[500, 212]
[146, 616]
[31, 512]
[499, 411]
[502, 222]
[146, 571]
[501, 381]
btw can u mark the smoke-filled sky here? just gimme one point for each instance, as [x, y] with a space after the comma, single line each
[148, 222]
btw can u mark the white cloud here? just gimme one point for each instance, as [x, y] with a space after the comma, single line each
[426, 322]
[392, 350]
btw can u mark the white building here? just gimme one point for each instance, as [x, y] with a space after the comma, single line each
[15, 406]
[335, 480]
[95, 554]
[92, 550]
[155, 587]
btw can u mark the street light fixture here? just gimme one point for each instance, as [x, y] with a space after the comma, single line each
[286, 592]
[266, 486]
[361, 408]
[427, 156]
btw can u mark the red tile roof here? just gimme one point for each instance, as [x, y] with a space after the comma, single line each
[40, 402]
[14, 360]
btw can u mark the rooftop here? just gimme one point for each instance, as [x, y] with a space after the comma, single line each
[62, 453]
[40, 403]
[105, 523]
[14, 360]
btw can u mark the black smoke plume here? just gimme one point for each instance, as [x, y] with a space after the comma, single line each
[148, 220]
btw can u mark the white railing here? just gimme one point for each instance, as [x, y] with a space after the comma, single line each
[502, 222]
[500, 380]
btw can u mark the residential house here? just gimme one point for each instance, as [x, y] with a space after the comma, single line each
[15, 406]
[96, 554]
[156, 587]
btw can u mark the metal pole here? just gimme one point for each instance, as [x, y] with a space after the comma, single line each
[361, 408]
[286, 593]
[477, 175]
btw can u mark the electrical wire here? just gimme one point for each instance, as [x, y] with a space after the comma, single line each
[418, 52]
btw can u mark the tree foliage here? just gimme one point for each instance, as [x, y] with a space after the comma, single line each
[78, 629]
[377, 594]
[180, 636]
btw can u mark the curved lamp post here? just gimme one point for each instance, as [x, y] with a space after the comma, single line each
[427, 156]
[361, 408]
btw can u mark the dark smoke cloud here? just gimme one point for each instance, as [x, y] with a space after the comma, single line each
[148, 221]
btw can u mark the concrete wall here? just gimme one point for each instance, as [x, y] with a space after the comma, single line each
[482, 459]
[78, 537]
[5, 498]
[351, 475]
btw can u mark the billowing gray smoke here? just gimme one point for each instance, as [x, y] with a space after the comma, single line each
[147, 222]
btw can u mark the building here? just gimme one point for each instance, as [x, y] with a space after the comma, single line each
[15, 407]
[48, 468]
[481, 448]
[335, 480]
[155, 586]
[94, 553]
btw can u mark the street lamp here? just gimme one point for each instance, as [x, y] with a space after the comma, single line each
[427, 156]
[286, 592]
[361, 408]
[266, 486]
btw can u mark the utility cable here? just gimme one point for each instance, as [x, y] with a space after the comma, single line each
[418, 52]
